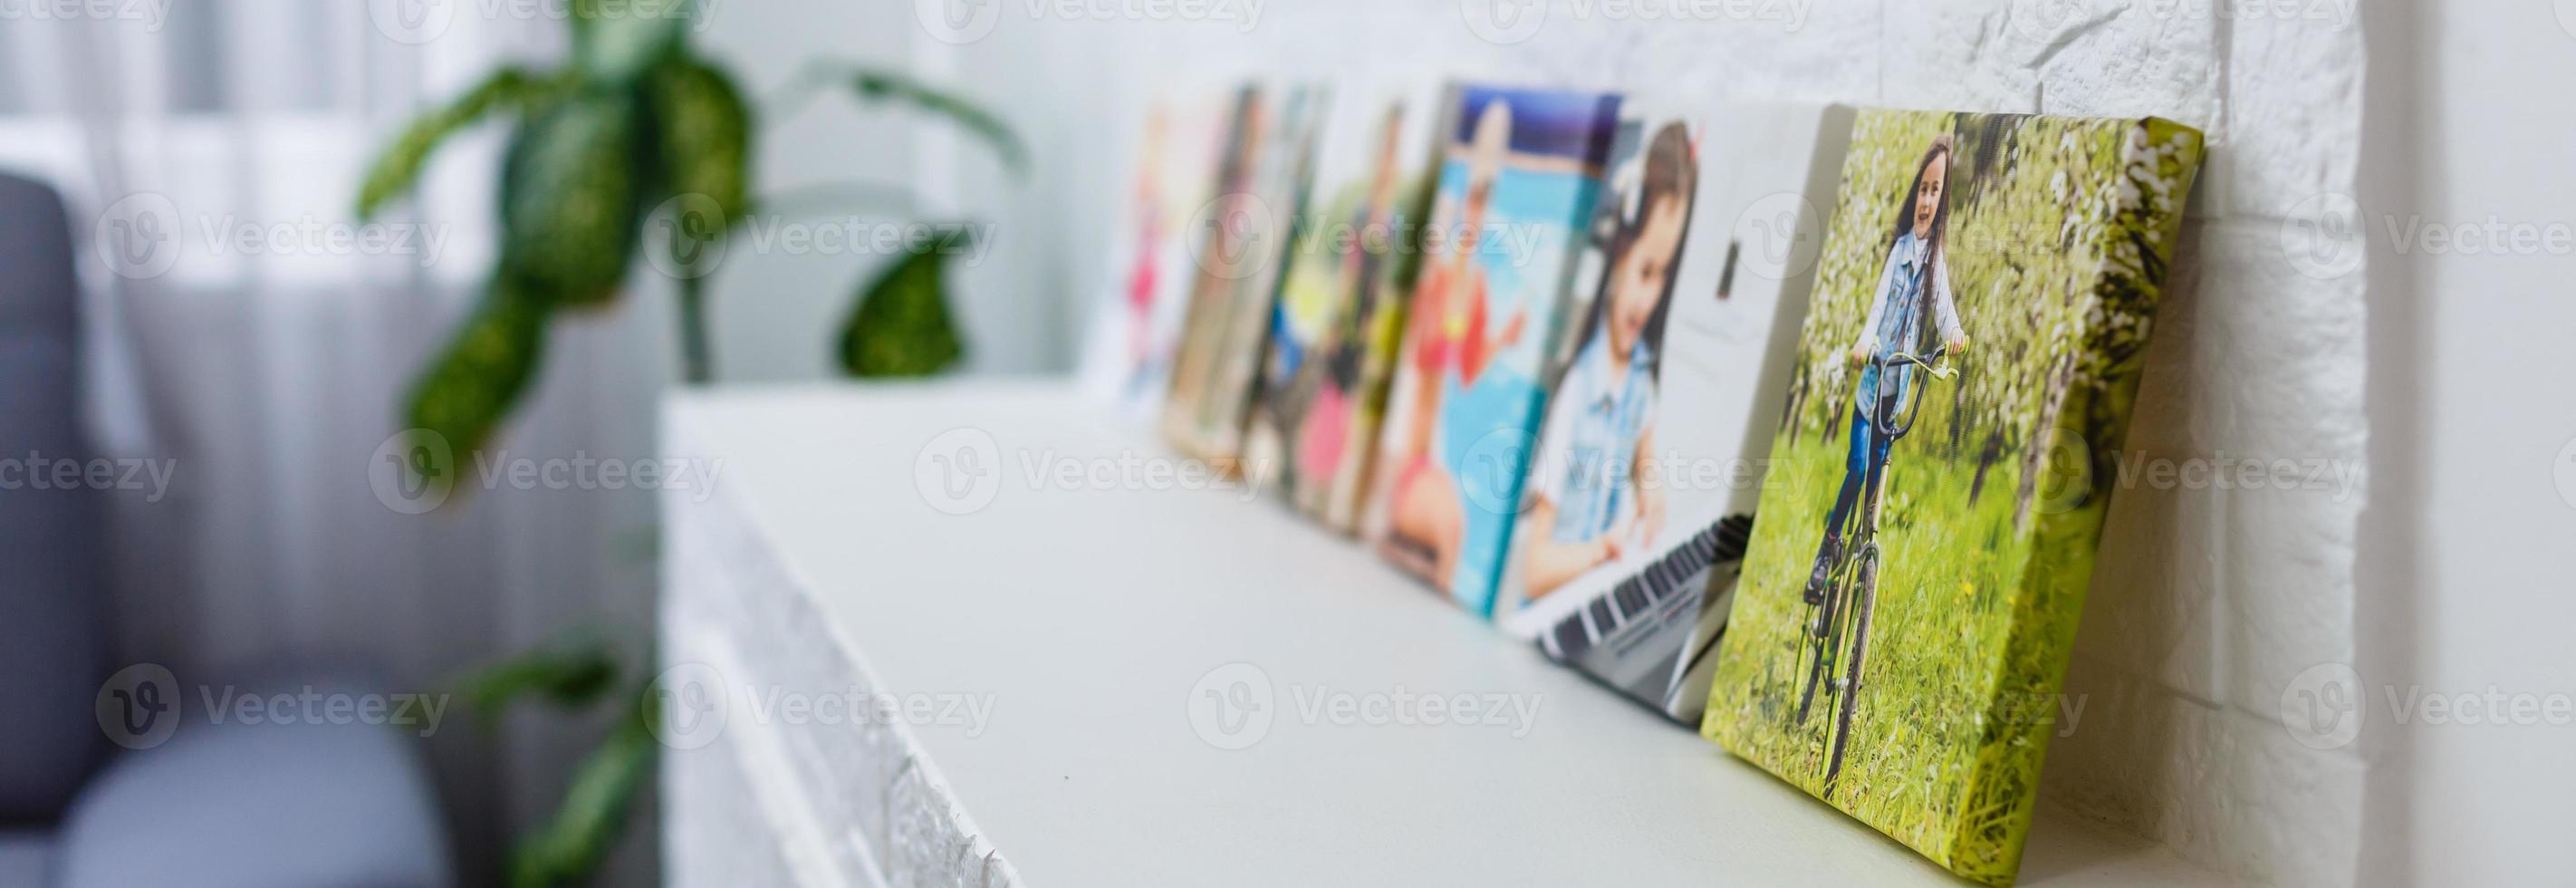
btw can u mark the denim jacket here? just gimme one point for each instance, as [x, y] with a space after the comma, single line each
[1590, 450]
[1895, 324]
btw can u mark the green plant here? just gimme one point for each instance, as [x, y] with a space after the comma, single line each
[574, 676]
[640, 137]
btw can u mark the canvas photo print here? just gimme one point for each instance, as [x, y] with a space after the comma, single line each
[1517, 185]
[1136, 324]
[1937, 487]
[1643, 486]
[1340, 311]
[1240, 251]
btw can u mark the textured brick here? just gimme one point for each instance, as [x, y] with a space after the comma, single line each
[2157, 607]
[2293, 112]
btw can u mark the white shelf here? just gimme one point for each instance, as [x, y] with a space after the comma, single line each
[1085, 617]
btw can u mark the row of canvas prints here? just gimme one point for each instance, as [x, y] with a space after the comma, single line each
[1553, 353]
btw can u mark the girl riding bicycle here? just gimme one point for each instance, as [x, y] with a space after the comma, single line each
[1915, 280]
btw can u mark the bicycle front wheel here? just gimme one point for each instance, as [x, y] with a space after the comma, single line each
[1815, 651]
[1864, 602]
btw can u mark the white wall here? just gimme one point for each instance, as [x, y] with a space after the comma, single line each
[775, 314]
[2466, 569]
[777, 311]
[2210, 604]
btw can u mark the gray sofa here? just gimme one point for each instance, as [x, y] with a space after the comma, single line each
[233, 804]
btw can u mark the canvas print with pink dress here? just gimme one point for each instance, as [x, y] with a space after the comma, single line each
[1516, 188]
[1336, 325]
[1127, 359]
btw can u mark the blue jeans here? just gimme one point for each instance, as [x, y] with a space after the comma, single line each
[1861, 471]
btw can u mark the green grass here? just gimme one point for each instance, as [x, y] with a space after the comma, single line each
[1940, 603]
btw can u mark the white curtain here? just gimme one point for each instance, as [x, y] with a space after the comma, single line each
[270, 378]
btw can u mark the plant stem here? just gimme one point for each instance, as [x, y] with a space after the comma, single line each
[697, 364]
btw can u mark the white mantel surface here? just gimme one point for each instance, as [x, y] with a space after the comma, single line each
[1085, 618]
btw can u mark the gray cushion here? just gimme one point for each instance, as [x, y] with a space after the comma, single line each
[260, 806]
[36, 259]
[26, 859]
[52, 632]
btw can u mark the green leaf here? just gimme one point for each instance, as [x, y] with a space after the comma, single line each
[572, 198]
[568, 676]
[464, 395]
[901, 327]
[889, 86]
[399, 167]
[595, 808]
[705, 129]
[616, 41]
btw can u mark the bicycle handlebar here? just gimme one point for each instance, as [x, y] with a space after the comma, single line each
[1924, 361]
[1886, 418]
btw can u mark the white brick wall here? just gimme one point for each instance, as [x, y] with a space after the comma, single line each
[2208, 603]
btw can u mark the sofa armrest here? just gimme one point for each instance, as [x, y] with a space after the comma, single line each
[266, 805]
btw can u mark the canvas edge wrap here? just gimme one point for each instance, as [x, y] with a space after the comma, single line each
[1338, 506]
[2005, 779]
[1175, 422]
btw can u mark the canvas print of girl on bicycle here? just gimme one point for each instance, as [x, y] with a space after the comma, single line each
[1912, 284]
[1927, 524]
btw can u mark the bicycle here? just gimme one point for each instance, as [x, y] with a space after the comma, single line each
[1837, 636]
